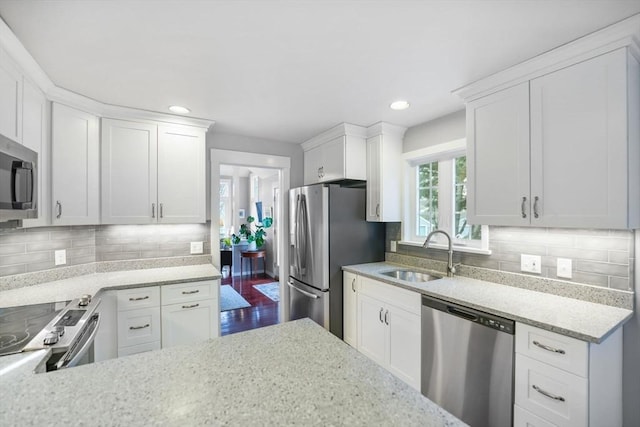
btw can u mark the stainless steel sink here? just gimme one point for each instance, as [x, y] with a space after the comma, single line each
[410, 275]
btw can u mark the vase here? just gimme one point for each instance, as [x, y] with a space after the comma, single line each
[252, 246]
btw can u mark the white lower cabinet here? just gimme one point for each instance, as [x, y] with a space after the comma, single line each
[388, 327]
[190, 313]
[562, 381]
[350, 308]
[155, 317]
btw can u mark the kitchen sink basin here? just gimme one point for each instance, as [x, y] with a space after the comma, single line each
[410, 276]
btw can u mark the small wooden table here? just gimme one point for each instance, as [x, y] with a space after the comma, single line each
[252, 256]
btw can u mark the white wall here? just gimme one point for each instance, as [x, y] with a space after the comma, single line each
[253, 145]
[444, 129]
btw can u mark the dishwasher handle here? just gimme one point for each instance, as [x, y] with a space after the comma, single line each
[461, 313]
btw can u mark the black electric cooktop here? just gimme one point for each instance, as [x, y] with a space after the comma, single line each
[18, 325]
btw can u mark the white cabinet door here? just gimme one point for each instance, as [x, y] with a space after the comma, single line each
[372, 332]
[129, 172]
[384, 175]
[579, 144]
[181, 174]
[404, 345]
[312, 162]
[10, 98]
[34, 136]
[498, 158]
[374, 164]
[333, 160]
[190, 322]
[75, 166]
[350, 307]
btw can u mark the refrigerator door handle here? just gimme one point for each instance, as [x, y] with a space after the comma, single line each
[309, 294]
[302, 248]
[295, 244]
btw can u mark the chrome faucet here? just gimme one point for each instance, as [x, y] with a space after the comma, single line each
[451, 269]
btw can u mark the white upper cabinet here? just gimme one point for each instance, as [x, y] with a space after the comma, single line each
[129, 172]
[561, 149]
[34, 136]
[337, 154]
[181, 174]
[75, 166]
[498, 158]
[10, 98]
[581, 154]
[384, 174]
[152, 173]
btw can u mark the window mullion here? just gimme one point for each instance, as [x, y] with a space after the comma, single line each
[446, 199]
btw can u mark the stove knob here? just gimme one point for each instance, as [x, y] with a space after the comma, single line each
[51, 338]
[58, 330]
[84, 300]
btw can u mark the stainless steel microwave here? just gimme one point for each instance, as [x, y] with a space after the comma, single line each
[18, 172]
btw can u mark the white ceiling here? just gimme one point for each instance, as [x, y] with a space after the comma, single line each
[288, 70]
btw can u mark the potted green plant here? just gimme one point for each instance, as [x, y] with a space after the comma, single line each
[255, 237]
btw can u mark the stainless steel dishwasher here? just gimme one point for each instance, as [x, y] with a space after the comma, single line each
[467, 363]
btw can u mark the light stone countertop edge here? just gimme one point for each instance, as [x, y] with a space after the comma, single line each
[578, 319]
[96, 283]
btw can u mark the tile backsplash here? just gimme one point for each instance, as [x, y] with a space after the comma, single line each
[32, 249]
[602, 258]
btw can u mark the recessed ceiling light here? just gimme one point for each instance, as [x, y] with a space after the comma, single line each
[179, 110]
[399, 105]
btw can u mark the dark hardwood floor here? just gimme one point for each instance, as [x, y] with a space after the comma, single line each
[263, 311]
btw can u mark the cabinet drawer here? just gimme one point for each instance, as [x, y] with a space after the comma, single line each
[402, 298]
[551, 393]
[524, 418]
[140, 348]
[131, 299]
[557, 350]
[186, 292]
[138, 326]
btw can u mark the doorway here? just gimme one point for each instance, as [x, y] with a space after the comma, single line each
[247, 185]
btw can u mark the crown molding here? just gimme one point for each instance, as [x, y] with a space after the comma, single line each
[32, 70]
[383, 128]
[624, 34]
[343, 129]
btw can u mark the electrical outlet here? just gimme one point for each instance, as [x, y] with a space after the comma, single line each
[60, 257]
[531, 263]
[564, 268]
[197, 247]
[394, 245]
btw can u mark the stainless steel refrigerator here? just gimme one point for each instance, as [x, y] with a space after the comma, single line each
[327, 230]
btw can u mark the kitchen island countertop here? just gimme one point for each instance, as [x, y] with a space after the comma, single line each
[583, 320]
[261, 377]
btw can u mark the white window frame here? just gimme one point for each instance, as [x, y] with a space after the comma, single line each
[440, 152]
[228, 211]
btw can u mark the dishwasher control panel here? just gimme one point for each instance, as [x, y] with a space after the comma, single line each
[498, 324]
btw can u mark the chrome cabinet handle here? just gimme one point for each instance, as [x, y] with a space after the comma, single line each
[353, 284]
[524, 202]
[190, 292]
[161, 211]
[139, 327]
[153, 210]
[386, 317]
[380, 315]
[59, 208]
[139, 298]
[378, 210]
[549, 348]
[547, 394]
[190, 306]
[535, 207]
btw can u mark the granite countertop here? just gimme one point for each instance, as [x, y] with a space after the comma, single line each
[583, 320]
[67, 289]
[260, 377]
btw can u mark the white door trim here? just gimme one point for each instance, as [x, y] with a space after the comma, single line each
[241, 158]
